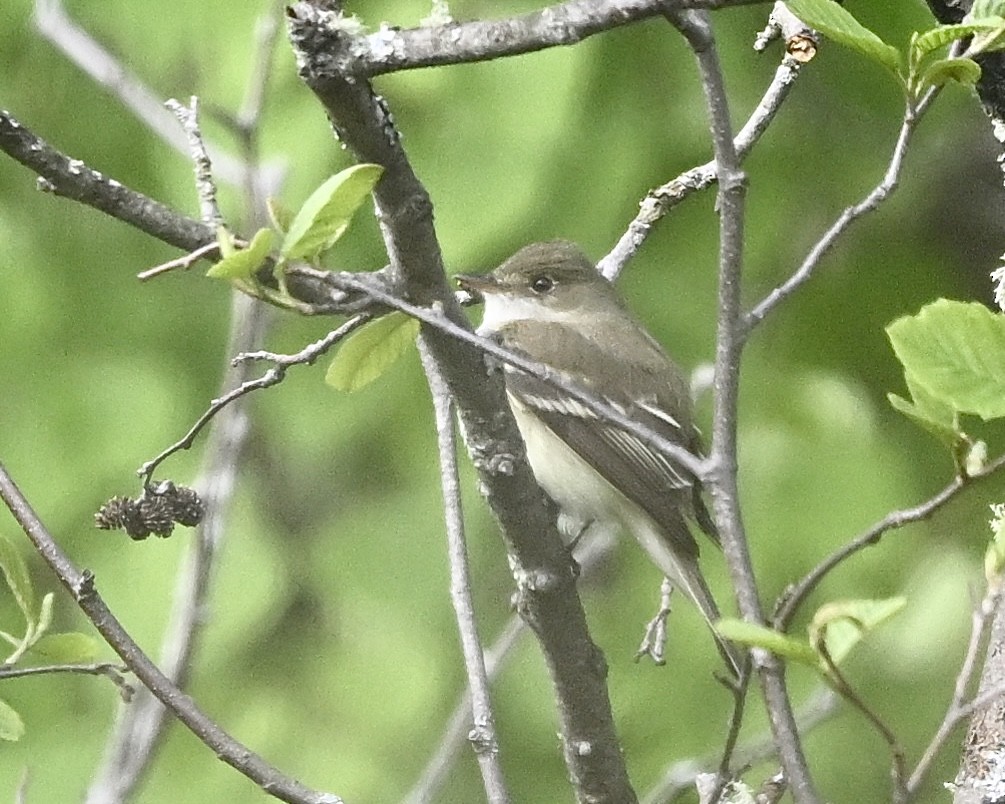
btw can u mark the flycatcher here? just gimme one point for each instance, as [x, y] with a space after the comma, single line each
[549, 303]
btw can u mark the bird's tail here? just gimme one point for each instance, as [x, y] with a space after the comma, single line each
[685, 574]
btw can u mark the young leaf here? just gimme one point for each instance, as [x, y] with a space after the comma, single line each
[947, 435]
[70, 647]
[924, 43]
[985, 8]
[955, 351]
[991, 38]
[942, 71]
[279, 215]
[242, 264]
[371, 350]
[326, 214]
[11, 725]
[768, 638]
[930, 413]
[15, 572]
[838, 25]
[842, 624]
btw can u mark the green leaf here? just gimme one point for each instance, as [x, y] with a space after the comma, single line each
[70, 647]
[924, 43]
[243, 264]
[956, 352]
[768, 638]
[326, 214]
[985, 8]
[930, 413]
[842, 624]
[15, 572]
[11, 725]
[946, 435]
[838, 25]
[279, 214]
[371, 350]
[990, 38]
[942, 71]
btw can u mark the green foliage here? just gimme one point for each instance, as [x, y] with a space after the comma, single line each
[925, 66]
[837, 627]
[279, 215]
[70, 647]
[837, 24]
[371, 350]
[796, 650]
[325, 215]
[953, 352]
[840, 625]
[15, 573]
[243, 263]
[11, 724]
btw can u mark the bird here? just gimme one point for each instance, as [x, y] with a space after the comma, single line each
[549, 303]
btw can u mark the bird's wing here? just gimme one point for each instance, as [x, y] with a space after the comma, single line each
[639, 471]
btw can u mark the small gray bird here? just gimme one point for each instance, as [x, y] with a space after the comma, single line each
[549, 303]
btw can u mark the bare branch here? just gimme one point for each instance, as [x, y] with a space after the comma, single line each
[959, 709]
[680, 777]
[205, 185]
[435, 774]
[872, 201]
[662, 200]
[273, 376]
[72, 179]
[795, 595]
[81, 586]
[389, 49]
[722, 478]
[113, 672]
[89, 55]
[483, 736]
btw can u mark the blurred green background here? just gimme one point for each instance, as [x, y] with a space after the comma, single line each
[331, 647]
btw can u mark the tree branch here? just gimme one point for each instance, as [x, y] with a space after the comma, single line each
[663, 199]
[722, 480]
[483, 736]
[547, 596]
[795, 595]
[81, 586]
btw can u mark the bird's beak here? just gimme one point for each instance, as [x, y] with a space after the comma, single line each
[477, 284]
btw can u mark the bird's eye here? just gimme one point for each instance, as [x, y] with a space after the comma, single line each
[542, 284]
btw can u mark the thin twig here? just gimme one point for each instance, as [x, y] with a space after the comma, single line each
[96, 61]
[81, 586]
[205, 184]
[139, 729]
[183, 262]
[483, 735]
[696, 28]
[959, 708]
[113, 672]
[662, 200]
[455, 734]
[795, 595]
[872, 201]
[840, 685]
[273, 376]
[437, 770]
[680, 777]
